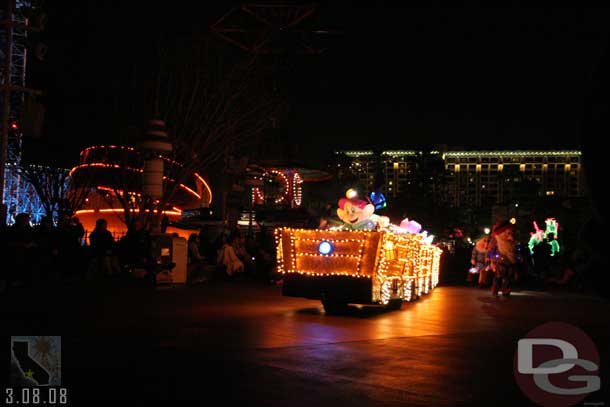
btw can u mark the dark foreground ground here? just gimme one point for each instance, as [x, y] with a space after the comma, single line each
[244, 343]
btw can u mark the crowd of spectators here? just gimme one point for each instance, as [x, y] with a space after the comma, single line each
[62, 252]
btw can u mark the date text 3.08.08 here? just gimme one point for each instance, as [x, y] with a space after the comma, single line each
[36, 396]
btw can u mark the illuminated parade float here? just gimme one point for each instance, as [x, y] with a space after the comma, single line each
[367, 260]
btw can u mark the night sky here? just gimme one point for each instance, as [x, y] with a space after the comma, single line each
[393, 77]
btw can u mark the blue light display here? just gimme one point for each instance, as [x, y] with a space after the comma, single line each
[325, 248]
[378, 199]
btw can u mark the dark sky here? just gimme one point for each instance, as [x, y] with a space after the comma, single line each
[394, 76]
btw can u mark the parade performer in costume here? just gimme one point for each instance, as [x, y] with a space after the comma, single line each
[552, 233]
[536, 238]
[547, 236]
[480, 261]
[504, 257]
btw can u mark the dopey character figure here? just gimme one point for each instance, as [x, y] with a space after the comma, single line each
[356, 214]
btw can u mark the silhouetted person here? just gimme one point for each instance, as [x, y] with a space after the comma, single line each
[195, 260]
[78, 229]
[68, 244]
[47, 249]
[102, 248]
[542, 259]
[21, 246]
[136, 245]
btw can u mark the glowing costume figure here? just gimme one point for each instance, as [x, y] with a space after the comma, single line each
[549, 234]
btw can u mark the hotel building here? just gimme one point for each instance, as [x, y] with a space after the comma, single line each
[469, 178]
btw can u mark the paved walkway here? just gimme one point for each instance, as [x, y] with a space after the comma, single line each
[246, 343]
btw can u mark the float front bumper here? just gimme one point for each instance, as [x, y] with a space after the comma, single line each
[334, 288]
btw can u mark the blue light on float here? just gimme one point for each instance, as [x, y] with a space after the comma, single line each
[325, 248]
[378, 199]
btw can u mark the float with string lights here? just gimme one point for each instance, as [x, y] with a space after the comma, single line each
[366, 260]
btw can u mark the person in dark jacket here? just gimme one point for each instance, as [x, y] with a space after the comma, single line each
[102, 249]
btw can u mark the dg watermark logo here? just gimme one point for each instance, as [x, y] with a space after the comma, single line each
[557, 365]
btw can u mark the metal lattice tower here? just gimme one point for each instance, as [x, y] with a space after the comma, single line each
[17, 71]
[21, 195]
[18, 195]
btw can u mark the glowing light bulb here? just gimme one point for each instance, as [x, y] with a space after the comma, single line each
[325, 248]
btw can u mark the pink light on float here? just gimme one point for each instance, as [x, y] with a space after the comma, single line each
[410, 226]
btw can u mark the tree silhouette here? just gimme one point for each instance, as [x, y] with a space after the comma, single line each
[213, 104]
[54, 189]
